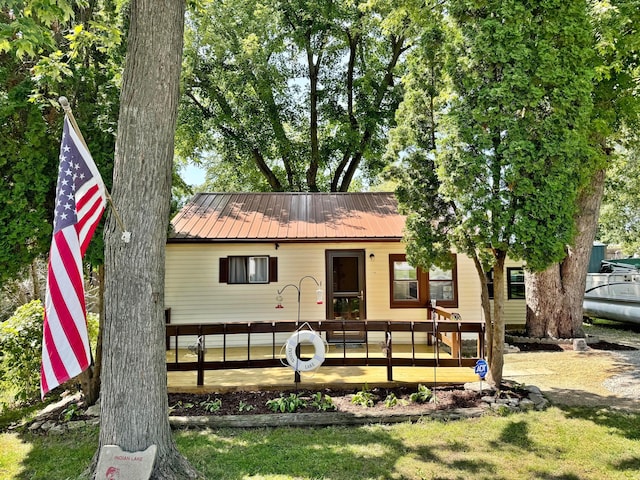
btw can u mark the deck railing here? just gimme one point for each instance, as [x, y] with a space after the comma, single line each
[440, 329]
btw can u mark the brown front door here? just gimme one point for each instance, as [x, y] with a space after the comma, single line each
[345, 291]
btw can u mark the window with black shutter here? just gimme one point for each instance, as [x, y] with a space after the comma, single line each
[248, 269]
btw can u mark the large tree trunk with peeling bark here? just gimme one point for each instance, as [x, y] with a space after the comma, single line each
[555, 296]
[134, 409]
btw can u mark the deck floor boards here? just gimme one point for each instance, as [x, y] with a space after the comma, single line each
[282, 378]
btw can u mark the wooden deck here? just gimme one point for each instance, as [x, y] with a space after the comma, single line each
[249, 355]
[283, 378]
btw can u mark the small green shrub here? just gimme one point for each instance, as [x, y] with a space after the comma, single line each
[244, 407]
[182, 405]
[363, 398]
[71, 412]
[423, 395]
[288, 404]
[504, 410]
[211, 406]
[391, 400]
[21, 351]
[322, 402]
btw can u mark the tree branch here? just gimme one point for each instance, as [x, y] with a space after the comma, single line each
[349, 165]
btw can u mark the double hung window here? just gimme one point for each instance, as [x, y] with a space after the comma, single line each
[413, 287]
[515, 283]
[248, 269]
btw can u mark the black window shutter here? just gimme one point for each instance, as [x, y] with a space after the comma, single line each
[224, 270]
[273, 269]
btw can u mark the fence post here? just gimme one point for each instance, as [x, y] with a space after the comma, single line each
[200, 346]
[389, 354]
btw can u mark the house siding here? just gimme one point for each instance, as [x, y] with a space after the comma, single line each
[195, 295]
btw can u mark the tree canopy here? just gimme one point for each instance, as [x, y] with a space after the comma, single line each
[292, 95]
[46, 50]
[619, 222]
[555, 296]
[618, 99]
[513, 118]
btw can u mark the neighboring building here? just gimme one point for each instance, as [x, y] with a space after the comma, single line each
[228, 255]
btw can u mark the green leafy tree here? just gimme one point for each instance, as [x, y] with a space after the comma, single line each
[300, 92]
[27, 149]
[510, 141]
[50, 49]
[555, 295]
[46, 50]
[619, 222]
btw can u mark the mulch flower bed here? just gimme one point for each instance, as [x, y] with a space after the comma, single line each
[396, 400]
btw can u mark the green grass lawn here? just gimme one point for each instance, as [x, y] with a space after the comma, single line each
[569, 444]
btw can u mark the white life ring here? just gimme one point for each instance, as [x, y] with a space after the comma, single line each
[318, 351]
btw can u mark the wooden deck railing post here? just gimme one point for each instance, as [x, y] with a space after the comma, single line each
[389, 353]
[167, 321]
[200, 346]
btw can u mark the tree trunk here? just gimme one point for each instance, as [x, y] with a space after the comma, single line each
[90, 378]
[555, 296]
[134, 409]
[485, 302]
[544, 300]
[314, 161]
[496, 360]
[35, 281]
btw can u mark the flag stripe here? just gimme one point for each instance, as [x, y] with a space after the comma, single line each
[90, 214]
[80, 202]
[65, 345]
[69, 312]
[64, 257]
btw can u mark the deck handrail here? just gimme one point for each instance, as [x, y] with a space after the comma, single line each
[441, 327]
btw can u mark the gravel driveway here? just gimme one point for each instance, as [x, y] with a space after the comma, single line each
[591, 378]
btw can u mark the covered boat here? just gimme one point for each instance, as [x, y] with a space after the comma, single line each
[614, 292]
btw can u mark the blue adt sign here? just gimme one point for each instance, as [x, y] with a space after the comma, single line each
[481, 368]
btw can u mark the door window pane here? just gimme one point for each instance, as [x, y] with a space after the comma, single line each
[345, 274]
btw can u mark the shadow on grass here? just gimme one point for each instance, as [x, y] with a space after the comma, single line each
[331, 452]
[623, 423]
[515, 434]
[629, 465]
[553, 476]
[567, 398]
[409, 451]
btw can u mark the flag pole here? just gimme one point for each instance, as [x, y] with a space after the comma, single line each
[126, 235]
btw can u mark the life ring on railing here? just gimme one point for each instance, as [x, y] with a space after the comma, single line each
[296, 362]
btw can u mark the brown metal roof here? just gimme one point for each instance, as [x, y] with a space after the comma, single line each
[288, 217]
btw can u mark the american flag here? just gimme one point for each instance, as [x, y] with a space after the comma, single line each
[80, 201]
